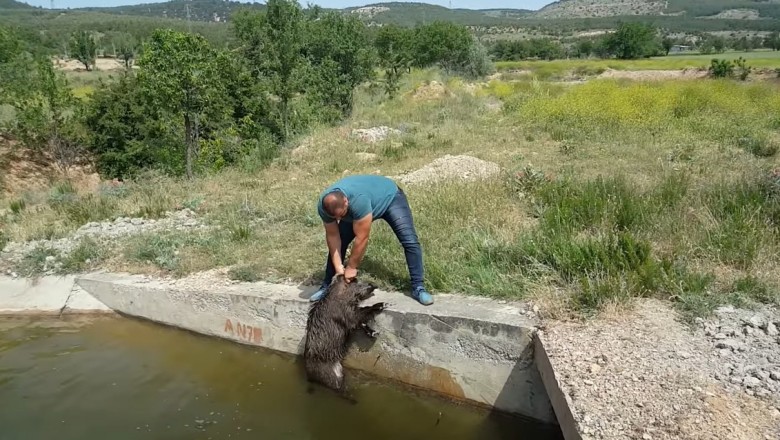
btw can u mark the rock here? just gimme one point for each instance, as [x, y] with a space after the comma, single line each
[595, 368]
[761, 375]
[751, 382]
[730, 344]
[771, 329]
[374, 134]
[724, 310]
[755, 321]
[720, 336]
[366, 157]
[775, 375]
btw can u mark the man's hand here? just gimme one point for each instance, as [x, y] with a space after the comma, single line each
[350, 274]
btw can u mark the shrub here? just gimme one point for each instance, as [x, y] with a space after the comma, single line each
[721, 68]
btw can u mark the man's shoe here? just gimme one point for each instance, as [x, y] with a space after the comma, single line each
[318, 295]
[420, 294]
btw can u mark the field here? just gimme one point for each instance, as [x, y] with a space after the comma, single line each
[557, 68]
[609, 190]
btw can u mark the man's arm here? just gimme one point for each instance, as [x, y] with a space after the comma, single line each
[333, 238]
[362, 228]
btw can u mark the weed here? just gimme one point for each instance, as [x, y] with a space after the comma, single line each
[754, 289]
[17, 206]
[159, 250]
[245, 273]
[37, 261]
[759, 146]
[86, 254]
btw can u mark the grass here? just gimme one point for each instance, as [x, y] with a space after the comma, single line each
[83, 83]
[611, 190]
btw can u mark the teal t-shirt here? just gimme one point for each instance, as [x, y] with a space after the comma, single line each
[366, 193]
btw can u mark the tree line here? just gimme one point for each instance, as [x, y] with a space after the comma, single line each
[629, 41]
[191, 106]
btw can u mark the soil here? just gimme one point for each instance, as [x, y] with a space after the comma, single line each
[645, 375]
[462, 167]
[100, 64]
[654, 74]
[23, 170]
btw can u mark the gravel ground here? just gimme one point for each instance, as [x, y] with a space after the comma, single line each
[374, 134]
[184, 219]
[462, 167]
[645, 376]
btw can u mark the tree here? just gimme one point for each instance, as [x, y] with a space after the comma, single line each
[632, 41]
[340, 56]
[84, 48]
[584, 48]
[10, 46]
[394, 45]
[180, 72]
[125, 48]
[772, 41]
[667, 44]
[272, 42]
[126, 134]
[444, 43]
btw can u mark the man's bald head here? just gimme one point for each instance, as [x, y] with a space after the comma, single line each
[335, 204]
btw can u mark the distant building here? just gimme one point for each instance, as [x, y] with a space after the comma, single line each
[678, 48]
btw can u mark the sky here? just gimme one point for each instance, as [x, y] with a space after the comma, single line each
[469, 4]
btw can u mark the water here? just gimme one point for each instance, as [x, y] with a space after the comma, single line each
[128, 379]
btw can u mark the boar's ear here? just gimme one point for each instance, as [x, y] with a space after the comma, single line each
[338, 278]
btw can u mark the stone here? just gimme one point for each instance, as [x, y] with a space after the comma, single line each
[771, 329]
[730, 344]
[751, 382]
[775, 375]
[756, 321]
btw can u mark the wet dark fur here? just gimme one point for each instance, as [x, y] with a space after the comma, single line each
[330, 322]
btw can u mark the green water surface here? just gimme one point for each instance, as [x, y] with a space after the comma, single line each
[118, 378]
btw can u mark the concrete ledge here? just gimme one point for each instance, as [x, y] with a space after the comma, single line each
[46, 296]
[464, 347]
[559, 400]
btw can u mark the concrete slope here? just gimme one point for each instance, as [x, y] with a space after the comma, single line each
[464, 347]
[46, 296]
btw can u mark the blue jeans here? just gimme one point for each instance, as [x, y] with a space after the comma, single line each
[399, 217]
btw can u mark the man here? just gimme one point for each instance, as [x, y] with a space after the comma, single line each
[348, 208]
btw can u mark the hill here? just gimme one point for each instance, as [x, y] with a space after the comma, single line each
[746, 9]
[13, 4]
[408, 14]
[198, 10]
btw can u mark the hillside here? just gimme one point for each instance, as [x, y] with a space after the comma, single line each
[199, 10]
[407, 14]
[13, 4]
[748, 9]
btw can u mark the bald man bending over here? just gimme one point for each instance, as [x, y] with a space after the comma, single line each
[348, 208]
